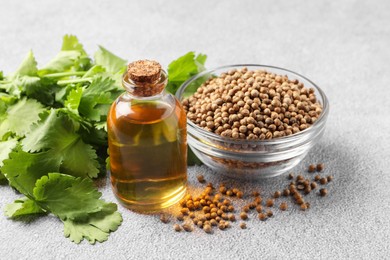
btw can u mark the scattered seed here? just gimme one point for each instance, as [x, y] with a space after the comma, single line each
[286, 192]
[312, 168]
[239, 194]
[313, 185]
[330, 178]
[200, 178]
[262, 216]
[185, 211]
[207, 229]
[300, 187]
[243, 216]
[269, 213]
[259, 208]
[230, 208]
[213, 222]
[291, 176]
[222, 189]
[255, 194]
[229, 193]
[245, 208]
[180, 217]
[231, 217]
[243, 225]
[270, 202]
[177, 227]
[317, 178]
[303, 206]
[323, 192]
[323, 181]
[277, 194]
[188, 227]
[320, 167]
[252, 205]
[222, 226]
[164, 218]
[283, 206]
[192, 215]
[258, 200]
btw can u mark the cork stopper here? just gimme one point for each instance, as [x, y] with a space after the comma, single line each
[144, 71]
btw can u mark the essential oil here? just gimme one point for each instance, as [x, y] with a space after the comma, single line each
[147, 141]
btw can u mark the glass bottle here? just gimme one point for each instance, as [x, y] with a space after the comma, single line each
[147, 141]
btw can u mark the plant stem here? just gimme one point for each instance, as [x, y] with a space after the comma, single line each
[65, 74]
[70, 81]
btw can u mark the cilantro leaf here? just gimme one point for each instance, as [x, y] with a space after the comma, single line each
[184, 68]
[23, 169]
[71, 43]
[96, 228]
[73, 99]
[95, 96]
[63, 61]
[21, 116]
[112, 63]
[60, 194]
[5, 149]
[56, 133]
[22, 207]
[28, 67]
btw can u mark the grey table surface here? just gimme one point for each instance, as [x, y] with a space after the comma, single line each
[343, 46]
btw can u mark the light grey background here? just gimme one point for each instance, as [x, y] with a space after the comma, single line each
[343, 46]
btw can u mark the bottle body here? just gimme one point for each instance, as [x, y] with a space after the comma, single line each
[148, 151]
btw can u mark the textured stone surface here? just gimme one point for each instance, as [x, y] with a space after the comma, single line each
[340, 45]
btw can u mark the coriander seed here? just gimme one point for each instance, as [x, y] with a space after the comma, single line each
[323, 192]
[283, 206]
[207, 229]
[243, 225]
[312, 168]
[262, 216]
[188, 227]
[270, 202]
[200, 178]
[243, 216]
[277, 194]
[323, 181]
[164, 218]
[320, 167]
[177, 227]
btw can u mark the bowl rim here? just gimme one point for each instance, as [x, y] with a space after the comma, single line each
[293, 137]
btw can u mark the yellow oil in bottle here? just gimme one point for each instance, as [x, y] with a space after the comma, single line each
[147, 146]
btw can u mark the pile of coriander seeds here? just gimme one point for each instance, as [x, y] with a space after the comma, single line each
[215, 207]
[253, 105]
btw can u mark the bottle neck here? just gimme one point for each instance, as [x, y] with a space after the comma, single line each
[147, 90]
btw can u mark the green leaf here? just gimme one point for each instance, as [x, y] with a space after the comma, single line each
[23, 169]
[96, 228]
[192, 159]
[61, 196]
[72, 101]
[22, 207]
[109, 61]
[102, 91]
[28, 66]
[184, 68]
[21, 116]
[71, 43]
[63, 61]
[5, 149]
[56, 134]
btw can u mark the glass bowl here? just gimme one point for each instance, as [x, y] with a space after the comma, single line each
[252, 159]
